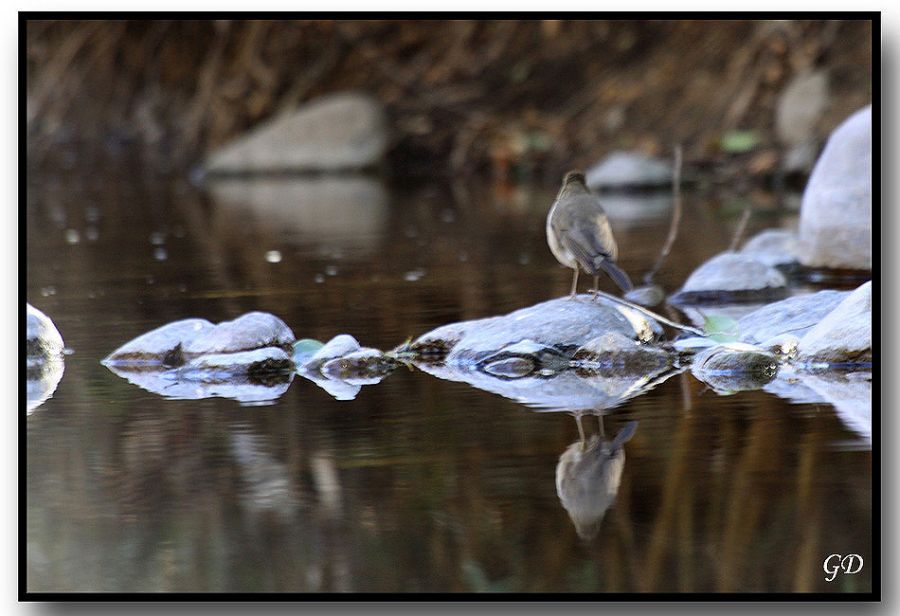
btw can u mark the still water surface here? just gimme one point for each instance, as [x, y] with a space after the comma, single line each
[417, 484]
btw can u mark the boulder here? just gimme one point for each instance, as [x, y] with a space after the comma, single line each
[629, 170]
[253, 330]
[731, 277]
[732, 367]
[561, 325]
[345, 131]
[613, 353]
[794, 315]
[836, 213]
[797, 112]
[844, 336]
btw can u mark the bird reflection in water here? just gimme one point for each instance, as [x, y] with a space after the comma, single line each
[588, 476]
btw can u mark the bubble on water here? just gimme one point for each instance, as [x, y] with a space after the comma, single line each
[411, 232]
[448, 216]
[48, 291]
[92, 234]
[182, 288]
[157, 238]
[414, 275]
[273, 256]
[72, 236]
[524, 258]
[150, 280]
[178, 231]
[463, 256]
[160, 254]
[331, 270]
[319, 278]
[92, 213]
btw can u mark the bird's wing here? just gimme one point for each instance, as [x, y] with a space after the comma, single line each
[584, 248]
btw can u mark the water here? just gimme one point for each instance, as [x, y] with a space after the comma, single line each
[418, 484]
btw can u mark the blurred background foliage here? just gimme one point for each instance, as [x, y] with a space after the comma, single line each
[463, 96]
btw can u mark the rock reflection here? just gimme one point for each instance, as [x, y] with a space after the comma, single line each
[42, 378]
[347, 211]
[170, 384]
[588, 476]
[556, 391]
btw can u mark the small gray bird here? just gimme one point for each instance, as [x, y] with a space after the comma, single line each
[579, 234]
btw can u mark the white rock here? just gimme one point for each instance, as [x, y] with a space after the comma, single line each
[773, 247]
[253, 330]
[629, 169]
[335, 132]
[845, 334]
[43, 340]
[731, 274]
[836, 214]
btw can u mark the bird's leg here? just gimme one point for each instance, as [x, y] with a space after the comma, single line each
[580, 430]
[574, 284]
[596, 288]
[600, 423]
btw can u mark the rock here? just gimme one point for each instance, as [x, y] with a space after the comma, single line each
[731, 277]
[253, 330]
[800, 106]
[732, 367]
[629, 170]
[338, 346]
[649, 296]
[436, 344]
[794, 315]
[561, 324]
[588, 477]
[176, 343]
[836, 214]
[345, 212]
[343, 131]
[613, 353]
[160, 346]
[257, 364]
[774, 247]
[42, 340]
[844, 336]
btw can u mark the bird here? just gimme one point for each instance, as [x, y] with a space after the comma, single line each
[579, 234]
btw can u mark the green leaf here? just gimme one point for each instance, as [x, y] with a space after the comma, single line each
[305, 348]
[739, 141]
[721, 328]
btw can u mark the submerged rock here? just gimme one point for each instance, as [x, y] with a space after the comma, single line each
[731, 277]
[836, 214]
[629, 170]
[558, 326]
[844, 336]
[773, 247]
[42, 340]
[732, 367]
[588, 475]
[343, 131]
[794, 315]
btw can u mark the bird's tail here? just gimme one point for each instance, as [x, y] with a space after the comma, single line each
[617, 274]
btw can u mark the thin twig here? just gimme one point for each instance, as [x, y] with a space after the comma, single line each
[739, 232]
[651, 314]
[676, 217]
